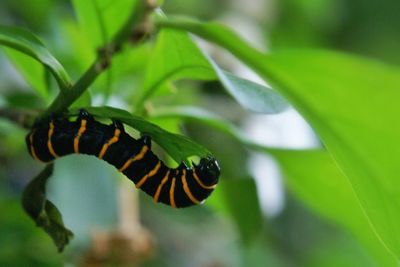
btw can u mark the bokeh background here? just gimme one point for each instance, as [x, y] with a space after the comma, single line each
[255, 220]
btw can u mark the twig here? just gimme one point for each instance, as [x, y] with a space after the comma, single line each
[21, 117]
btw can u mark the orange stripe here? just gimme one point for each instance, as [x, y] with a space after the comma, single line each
[49, 144]
[158, 192]
[81, 130]
[171, 193]
[187, 190]
[113, 140]
[33, 152]
[201, 183]
[150, 174]
[139, 156]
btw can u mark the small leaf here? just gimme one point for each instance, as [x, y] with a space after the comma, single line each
[253, 96]
[43, 212]
[190, 113]
[32, 71]
[28, 44]
[175, 57]
[178, 146]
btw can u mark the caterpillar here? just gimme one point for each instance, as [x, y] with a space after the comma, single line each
[178, 187]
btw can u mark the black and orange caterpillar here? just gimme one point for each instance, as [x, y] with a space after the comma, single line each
[179, 187]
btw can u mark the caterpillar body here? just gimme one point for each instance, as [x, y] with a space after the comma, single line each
[178, 187]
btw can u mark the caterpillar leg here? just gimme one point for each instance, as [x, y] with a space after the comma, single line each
[85, 115]
[118, 125]
[146, 140]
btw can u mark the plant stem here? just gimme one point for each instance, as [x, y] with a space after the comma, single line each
[65, 99]
[21, 117]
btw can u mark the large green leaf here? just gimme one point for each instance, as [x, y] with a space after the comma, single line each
[102, 19]
[178, 146]
[342, 250]
[351, 102]
[336, 93]
[315, 179]
[312, 175]
[25, 42]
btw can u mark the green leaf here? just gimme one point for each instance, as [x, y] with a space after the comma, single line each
[238, 195]
[339, 249]
[351, 102]
[190, 113]
[83, 101]
[311, 175]
[28, 44]
[175, 57]
[253, 96]
[336, 94]
[43, 212]
[178, 146]
[316, 180]
[101, 19]
[216, 33]
[77, 45]
[33, 13]
[205, 117]
[32, 71]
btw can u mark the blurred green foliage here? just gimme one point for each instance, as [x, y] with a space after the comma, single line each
[322, 224]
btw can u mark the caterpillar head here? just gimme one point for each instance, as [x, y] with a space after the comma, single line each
[209, 170]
